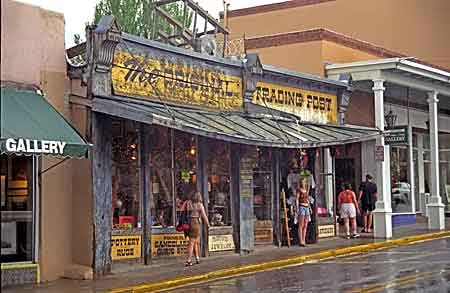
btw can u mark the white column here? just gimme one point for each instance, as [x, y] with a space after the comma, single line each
[383, 212]
[421, 174]
[435, 207]
[328, 170]
[412, 182]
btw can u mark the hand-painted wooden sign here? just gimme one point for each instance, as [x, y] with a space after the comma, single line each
[309, 105]
[125, 247]
[177, 81]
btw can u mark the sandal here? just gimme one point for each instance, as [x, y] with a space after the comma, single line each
[197, 261]
[188, 264]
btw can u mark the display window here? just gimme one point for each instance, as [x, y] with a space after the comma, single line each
[173, 158]
[218, 168]
[17, 208]
[162, 184]
[262, 185]
[185, 155]
[125, 175]
[401, 195]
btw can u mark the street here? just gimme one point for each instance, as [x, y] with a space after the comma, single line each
[423, 267]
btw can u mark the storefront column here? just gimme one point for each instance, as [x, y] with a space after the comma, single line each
[202, 186]
[435, 207]
[421, 175]
[147, 195]
[102, 190]
[383, 211]
[328, 172]
[276, 197]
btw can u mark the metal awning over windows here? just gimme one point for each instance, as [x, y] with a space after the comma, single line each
[244, 128]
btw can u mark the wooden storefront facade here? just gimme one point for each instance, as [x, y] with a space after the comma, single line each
[166, 122]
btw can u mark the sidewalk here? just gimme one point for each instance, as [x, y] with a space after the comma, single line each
[170, 269]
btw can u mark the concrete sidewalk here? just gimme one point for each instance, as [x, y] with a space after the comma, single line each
[163, 270]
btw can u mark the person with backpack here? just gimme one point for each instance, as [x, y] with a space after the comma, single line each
[348, 207]
[368, 197]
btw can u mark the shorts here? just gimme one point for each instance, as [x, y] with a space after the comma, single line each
[303, 211]
[348, 210]
[194, 230]
[367, 206]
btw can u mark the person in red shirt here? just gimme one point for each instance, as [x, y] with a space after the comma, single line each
[348, 207]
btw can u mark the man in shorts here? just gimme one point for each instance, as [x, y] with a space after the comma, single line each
[368, 197]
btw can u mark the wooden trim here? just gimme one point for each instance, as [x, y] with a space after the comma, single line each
[272, 7]
[145, 183]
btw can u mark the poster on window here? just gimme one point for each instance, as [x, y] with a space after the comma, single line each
[9, 238]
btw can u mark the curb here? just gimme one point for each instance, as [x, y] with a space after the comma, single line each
[277, 264]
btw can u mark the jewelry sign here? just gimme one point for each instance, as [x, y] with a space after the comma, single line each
[309, 105]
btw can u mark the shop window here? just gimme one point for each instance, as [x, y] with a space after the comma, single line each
[16, 188]
[218, 165]
[162, 185]
[262, 185]
[125, 174]
[400, 185]
[185, 152]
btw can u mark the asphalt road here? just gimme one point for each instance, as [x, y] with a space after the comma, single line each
[422, 267]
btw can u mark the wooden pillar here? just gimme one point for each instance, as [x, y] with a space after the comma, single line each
[234, 193]
[246, 213]
[276, 175]
[102, 193]
[202, 186]
[145, 183]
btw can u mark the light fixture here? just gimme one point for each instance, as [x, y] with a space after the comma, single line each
[390, 119]
[192, 151]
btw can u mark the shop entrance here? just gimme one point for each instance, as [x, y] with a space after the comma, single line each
[294, 165]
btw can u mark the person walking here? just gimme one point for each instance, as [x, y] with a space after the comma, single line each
[348, 207]
[197, 211]
[304, 213]
[368, 196]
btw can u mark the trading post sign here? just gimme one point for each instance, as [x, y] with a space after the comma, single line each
[309, 105]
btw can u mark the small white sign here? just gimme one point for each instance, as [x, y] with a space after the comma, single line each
[23, 145]
[379, 153]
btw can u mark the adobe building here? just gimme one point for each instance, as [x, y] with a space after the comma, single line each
[38, 221]
[413, 27]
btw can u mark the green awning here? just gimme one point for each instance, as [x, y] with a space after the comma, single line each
[30, 125]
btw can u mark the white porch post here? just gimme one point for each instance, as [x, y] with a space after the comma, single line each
[328, 166]
[421, 174]
[435, 208]
[383, 212]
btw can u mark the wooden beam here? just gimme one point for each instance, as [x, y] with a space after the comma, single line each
[145, 183]
[164, 2]
[276, 176]
[207, 16]
[202, 186]
[234, 194]
[102, 193]
[123, 110]
[173, 21]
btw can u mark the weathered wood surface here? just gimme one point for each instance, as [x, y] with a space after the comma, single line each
[234, 196]
[202, 186]
[145, 178]
[276, 176]
[102, 192]
[246, 213]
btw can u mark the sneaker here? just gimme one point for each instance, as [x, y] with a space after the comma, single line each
[355, 235]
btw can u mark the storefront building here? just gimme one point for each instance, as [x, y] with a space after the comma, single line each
[36, 144]
[24, 137]
[167, 122]
[412, 102]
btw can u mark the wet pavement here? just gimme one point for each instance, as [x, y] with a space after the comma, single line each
[422, 267]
